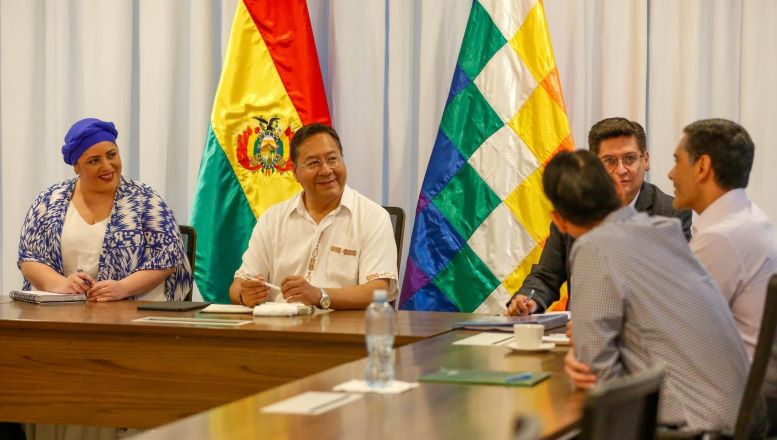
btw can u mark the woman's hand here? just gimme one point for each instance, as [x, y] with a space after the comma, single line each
[108, 290]
[78, 282]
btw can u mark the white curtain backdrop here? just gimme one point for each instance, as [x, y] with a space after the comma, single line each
[152, 67]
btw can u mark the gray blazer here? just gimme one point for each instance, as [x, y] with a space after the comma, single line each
[552, 270]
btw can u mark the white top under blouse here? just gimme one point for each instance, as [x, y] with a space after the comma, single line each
[81, 247]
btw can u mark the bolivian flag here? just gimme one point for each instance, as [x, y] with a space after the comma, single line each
[270, 86]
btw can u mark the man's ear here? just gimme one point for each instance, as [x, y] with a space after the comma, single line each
[646, 156]
[559, 221]
[702, 168]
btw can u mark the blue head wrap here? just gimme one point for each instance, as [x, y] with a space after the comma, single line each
[85, 133]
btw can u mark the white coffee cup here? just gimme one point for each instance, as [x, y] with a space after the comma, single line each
[528, 336]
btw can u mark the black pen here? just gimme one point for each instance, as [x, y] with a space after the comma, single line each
[88, 283]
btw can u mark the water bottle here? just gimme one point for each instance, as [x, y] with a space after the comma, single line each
[381, 327]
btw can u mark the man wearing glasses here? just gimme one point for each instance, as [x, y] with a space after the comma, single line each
[620, 145]
[328, 246]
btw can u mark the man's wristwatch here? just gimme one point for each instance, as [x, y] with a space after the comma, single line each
[325, 302]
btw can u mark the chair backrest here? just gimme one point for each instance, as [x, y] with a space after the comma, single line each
[189, 236]
[526, 428]
[624, 408]
[750, 406]
[397, 216]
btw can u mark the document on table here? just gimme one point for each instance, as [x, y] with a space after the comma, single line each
[486, 339]
[311, 403]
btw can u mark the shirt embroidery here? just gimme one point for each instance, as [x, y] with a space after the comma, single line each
[313, 258]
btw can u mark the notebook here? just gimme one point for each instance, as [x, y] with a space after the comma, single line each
[505, 323]
[43, 297]
[266, 309]
[485, 377]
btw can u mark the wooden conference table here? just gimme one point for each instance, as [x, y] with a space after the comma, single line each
[431, 411]
[92, 364]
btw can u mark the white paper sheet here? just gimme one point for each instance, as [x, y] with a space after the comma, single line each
[486, 339]
[311, 403]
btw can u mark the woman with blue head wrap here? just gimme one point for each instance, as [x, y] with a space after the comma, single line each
[100, 233]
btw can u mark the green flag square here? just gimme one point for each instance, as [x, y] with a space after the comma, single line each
[466, 281]
[466, 201]
[468, 120]
[481, 41]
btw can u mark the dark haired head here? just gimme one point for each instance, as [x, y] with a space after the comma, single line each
[306, 132]
[579, 187]
[615, 127]
[728, 146]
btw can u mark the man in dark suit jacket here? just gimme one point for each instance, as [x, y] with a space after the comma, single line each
[621, 146]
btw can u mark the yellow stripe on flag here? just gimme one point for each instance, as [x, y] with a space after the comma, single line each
[247, 90]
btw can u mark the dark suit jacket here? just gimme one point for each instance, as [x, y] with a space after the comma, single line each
[552, 270]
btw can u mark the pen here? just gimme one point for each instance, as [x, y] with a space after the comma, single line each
[247, 276]
[88, 283]
[518, 377]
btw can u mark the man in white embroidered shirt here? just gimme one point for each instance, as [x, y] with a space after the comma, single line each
[328, 246]
[642, 298]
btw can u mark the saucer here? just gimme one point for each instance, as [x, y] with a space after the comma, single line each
[557, 338]
[545, 346]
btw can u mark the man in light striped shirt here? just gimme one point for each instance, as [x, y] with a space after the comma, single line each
[642, 298]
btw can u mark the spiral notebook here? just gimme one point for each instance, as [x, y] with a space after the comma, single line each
[42, 297]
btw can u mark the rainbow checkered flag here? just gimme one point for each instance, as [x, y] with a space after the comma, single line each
[482, 217]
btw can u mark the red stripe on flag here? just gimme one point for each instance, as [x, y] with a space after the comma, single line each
[286, 30]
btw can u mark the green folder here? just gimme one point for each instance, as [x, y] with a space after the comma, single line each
[485, 377]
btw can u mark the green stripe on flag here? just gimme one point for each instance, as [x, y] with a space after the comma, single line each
[466, 201]
[223, 220]
[468, 120]
[466, 281]
[481, 41]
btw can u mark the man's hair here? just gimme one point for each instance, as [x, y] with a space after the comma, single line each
[728, 146]
[615, 127]
[306, 132]
[579, 187]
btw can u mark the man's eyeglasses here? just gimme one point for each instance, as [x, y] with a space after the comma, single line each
[629, 160]
[316, 164]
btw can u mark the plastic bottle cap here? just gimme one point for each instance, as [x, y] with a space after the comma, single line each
[379, 295]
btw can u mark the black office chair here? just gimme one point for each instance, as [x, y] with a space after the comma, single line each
[397, 216]
[526, 428]
[751, 415]
[189, 236]
[624, 408]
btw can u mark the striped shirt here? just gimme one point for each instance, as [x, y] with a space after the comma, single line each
[642, 297]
